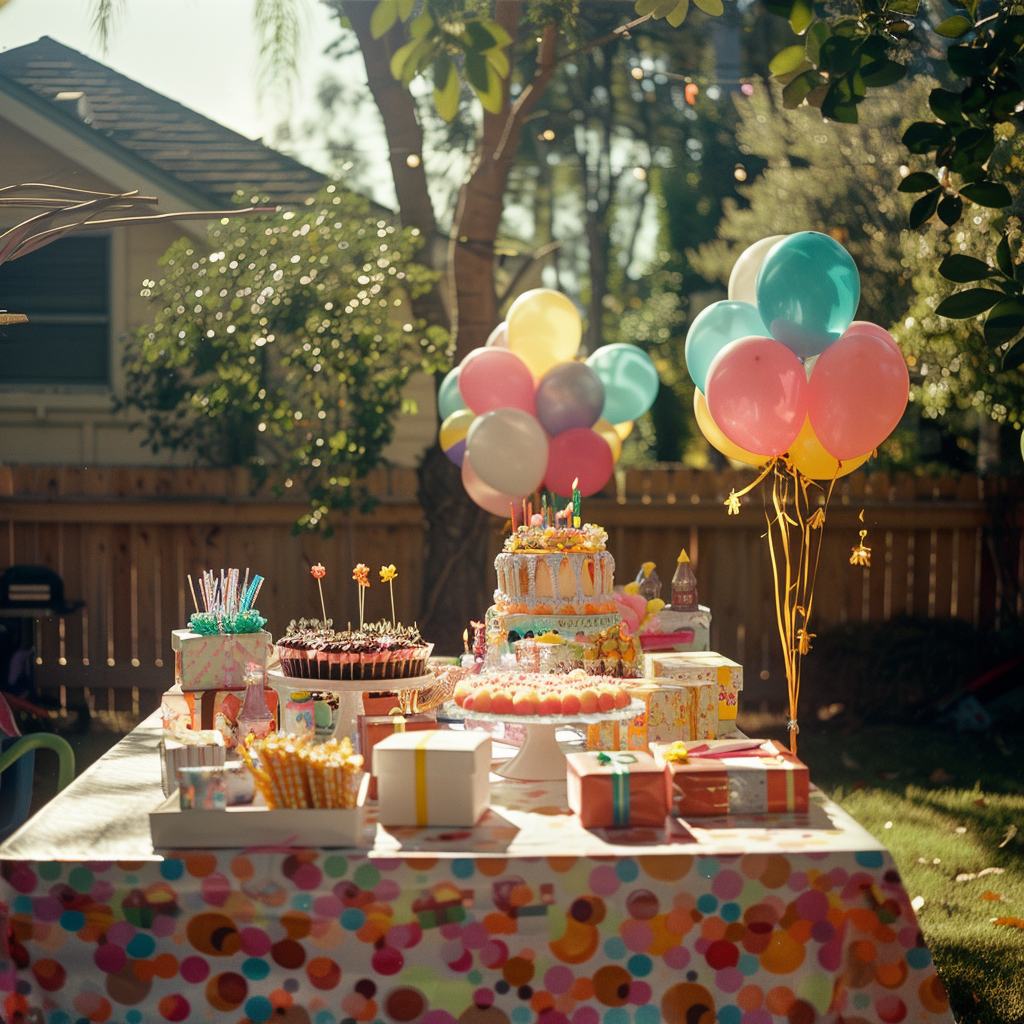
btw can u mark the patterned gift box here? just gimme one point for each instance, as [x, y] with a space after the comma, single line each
[373, 728]
[616, 788]
[702, 666]
[673, 630]
[217, 661]
[219, 709]
[763, 779]
[674, 710]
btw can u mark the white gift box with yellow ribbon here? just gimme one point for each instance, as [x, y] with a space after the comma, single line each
[434, 777]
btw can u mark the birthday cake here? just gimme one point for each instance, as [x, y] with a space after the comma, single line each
[382, 650]
[527, 693]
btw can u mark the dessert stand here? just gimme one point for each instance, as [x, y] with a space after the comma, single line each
[540, 759]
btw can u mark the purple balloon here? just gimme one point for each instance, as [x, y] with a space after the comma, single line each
[569, 395]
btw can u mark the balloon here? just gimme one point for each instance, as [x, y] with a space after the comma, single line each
[509, 450]
[452, 435]
[857, 394]
[498, 338]
[630, 381]
[867, 327]
[486, 496]
[569, 395]
[611, 435]
[449, 399]
[544, 328]
[716, 438]
[744, 270]
[807, 291]
[580, 452]
[757, 394]
[623, 429]
[712, 329]
[494, 378]
[813, 461]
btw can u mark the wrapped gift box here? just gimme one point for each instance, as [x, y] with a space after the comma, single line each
[373, 728]
[763, 778]
[435, 777]
[616, 788]
[215, 709]
[702, 667]
[674, 710]
[217, 661]
[672, 630]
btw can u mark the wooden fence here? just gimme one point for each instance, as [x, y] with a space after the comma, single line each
[124, 541]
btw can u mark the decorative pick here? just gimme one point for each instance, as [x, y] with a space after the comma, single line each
[861, 555]
[318, 572]
[387, 575]
[361, 574]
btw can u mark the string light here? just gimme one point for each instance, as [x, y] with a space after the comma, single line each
[412, 160]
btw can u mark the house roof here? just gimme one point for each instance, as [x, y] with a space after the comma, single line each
[149, 131]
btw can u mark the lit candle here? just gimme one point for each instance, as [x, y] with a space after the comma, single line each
[576, 520]
[512, 515]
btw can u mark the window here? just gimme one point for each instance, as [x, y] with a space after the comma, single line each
[64, 290]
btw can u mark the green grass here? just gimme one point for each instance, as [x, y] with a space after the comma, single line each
[944, 805]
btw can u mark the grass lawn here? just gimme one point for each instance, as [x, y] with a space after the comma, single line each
[945, 805]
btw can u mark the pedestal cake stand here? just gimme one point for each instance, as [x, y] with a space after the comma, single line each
[540, 759]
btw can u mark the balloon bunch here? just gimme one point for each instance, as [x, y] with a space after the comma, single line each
[786, 376]
[520, 412]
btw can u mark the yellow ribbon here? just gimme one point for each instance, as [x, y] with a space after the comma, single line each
[420, 765]
[677, 753]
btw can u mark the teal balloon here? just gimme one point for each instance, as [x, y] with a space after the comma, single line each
[630, 381]
[712, 329]
[807, 292]
[448, 398]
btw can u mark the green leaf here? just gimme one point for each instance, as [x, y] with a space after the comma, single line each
[1006, 104]
[491, 95]
[1004, 258]
[421, 25]
[816, 35]
[837, 54]
[955, 27]
[964, 269]
[446, 87]
[401, 55]
[787, 60]
[1014, 357]
[966, 61]
[801, 15]
[924, 136]
[501, 37]
[1005, 321]
[968, 304]
[989, 194]
[924, 208]
[676, 17]
[712, 7]
[950, 208]
[945, 105]
[405, 8]
[479, 38]
[643, 7]
[385, 14]
[664, 9]
[907, 7]
[497, 59]
[919, 181]
[475, 70]
[881, 73]
[796, 91]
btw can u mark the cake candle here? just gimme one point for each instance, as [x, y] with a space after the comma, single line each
[576, 518]
[512, 514]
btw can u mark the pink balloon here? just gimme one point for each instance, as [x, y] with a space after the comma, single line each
[867, 327]
[578, 453]
[486, 496]
[495, 378]
[857, 394]
[498, 338]
[757, 394]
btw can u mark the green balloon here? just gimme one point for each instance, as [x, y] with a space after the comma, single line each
[630, 381]
[449, 399]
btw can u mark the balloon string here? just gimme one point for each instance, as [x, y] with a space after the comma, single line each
[733, 501]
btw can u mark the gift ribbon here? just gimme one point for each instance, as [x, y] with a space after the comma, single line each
[620, 783]
[420, 766]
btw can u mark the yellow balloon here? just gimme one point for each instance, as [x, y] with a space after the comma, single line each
[623, 429]
[610, 434]
[716, 438]
[544, 329]
[813, 461]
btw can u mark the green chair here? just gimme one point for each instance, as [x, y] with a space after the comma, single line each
[17, 768]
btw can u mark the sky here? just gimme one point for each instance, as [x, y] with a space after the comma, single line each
[202, 53]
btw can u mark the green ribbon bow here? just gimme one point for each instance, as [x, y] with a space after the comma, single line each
[620, 783]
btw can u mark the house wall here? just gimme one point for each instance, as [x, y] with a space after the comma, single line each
[75, 425]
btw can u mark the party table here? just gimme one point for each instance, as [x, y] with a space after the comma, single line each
[527, 917]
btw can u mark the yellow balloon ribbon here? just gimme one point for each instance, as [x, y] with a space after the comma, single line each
[810, 457]
[709, 428]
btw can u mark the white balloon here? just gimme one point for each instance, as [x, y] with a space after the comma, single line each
[508, 450]
[744, 271]
[498, 338]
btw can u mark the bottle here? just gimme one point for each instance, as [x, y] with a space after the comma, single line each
[684, 585]
[648, 583]
[255, 717]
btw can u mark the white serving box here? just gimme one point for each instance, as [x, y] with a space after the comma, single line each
[217, 661]
[433, 777]
[255, 825]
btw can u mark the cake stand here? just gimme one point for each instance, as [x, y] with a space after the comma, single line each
[350, 703]
[540, 759]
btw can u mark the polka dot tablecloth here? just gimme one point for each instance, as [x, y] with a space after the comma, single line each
[684, 932]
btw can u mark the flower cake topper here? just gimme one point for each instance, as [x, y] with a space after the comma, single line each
[361, 574]
[387, 575]
[318, 572]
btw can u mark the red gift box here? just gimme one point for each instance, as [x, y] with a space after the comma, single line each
[373, 728]
[608, 788]
[760, 778]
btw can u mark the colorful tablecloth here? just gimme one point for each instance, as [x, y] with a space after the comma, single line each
[526, 918]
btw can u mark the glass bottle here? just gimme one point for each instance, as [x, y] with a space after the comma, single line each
[255, 717]
[648, 584]
[684, 585]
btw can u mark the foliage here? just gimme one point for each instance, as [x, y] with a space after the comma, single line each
[288, 344]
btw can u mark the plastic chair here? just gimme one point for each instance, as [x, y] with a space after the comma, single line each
[17, 768]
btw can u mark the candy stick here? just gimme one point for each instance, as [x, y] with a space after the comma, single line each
[193, 589]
